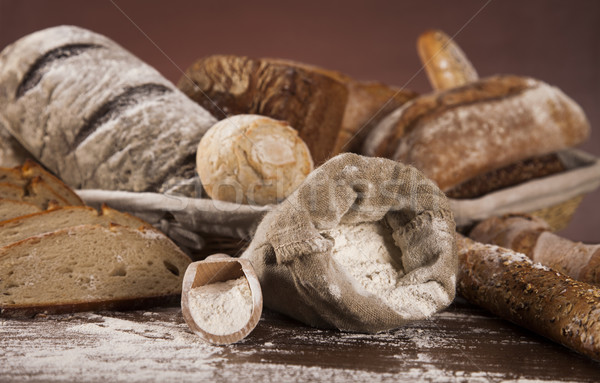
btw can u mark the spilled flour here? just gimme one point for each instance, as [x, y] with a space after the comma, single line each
[222, 308]
[368, 254]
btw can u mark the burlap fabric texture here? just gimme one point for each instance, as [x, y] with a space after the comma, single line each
[293, 259]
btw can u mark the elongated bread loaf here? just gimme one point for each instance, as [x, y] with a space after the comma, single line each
[533, 237]
[96, 115]
[455, 135]
[531, 295]
[89, 267]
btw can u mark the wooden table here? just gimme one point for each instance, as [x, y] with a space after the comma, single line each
[464, 343]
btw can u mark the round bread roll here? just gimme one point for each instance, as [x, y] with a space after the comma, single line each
[252, 159]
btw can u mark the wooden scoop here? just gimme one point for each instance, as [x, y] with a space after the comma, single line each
[220, 268]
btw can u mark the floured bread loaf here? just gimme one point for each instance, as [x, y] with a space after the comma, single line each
[89, 267]
[465, 132]
[96, 115]
[12, 153]
[252, 159]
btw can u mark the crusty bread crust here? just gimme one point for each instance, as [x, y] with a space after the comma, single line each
[536, 297]
[455, 135]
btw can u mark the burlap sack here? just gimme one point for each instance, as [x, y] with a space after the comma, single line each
[293, 259]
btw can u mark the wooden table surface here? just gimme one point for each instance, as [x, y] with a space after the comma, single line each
[464, 343]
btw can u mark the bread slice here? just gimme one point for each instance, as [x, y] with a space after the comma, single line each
[10, 209]
[89, 267]
[11, 191]
[32, 169]
[19, 228]
[24, 175]
[36, 191]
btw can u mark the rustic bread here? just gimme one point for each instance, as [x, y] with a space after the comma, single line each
[19, 228]
[10, 209]
[457, 134]
[533, 237]
[89, 267]
[327, 108]
[35, 191]
[94, 114]
[531, 295]
[252, 159]
[22, 175]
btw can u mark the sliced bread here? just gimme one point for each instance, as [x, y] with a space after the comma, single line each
[10, 209]
[32, 169]
[89, 267]
[11, 191]
[19, 228]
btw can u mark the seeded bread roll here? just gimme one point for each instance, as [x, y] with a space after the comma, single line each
[96, 115]
[252, 159]
[458, 134]
[331, 111]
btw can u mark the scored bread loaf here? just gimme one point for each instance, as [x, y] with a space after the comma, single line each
[22, 227]
[536, 297]
[533, 237]
[95, 115]
[90, 267]
[326, 107]
[12, 153]
[10, 209]
[460, 133]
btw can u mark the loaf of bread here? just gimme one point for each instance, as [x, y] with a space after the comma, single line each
[12, 153]
[89, 267]
[533, 237]
[531, 295]
[96, 115]
[331, 111]
[461, 133]
[252, 159]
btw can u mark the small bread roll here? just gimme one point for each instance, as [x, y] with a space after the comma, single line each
[252, 159]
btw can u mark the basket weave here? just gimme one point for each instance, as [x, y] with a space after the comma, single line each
[558, 216]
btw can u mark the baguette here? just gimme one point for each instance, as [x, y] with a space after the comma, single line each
[95, 115]
[461, 133]
[531, 295]
[533, 237]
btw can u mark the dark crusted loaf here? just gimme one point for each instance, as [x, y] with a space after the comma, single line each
[96, 115]
[331, 111]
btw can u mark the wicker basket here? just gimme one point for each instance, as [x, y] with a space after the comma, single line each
[206, 227]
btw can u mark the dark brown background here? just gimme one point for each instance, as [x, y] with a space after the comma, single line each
[555, 41]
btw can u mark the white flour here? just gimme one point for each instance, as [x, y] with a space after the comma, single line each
[367, 253]
[222, 308]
